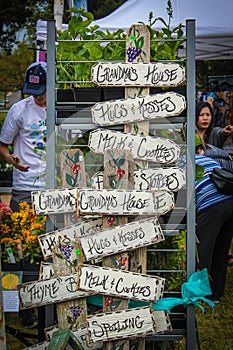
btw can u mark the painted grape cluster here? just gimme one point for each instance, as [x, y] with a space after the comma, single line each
[133, 53]
[66, 250]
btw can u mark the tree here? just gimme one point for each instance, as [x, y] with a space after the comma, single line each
[101, 8]
[15, 15]
[13, 67]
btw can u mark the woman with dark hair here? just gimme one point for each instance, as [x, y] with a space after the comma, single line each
[205, 124]
[213, 139]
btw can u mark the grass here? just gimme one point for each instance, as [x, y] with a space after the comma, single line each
[216, 330]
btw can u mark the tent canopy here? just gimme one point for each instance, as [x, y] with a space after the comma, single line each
[213, 19]
[214, 22]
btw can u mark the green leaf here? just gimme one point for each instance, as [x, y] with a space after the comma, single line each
[114, 305]
[70, 180]
[199, 172]
[120, 161]
[75, 157]
[112, 182]
[140, 42]
[115, 262]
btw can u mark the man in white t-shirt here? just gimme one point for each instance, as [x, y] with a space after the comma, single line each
[25, 126]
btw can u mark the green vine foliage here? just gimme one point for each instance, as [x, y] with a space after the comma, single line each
[95, 45]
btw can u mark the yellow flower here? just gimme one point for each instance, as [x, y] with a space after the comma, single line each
[10, 281]
[21, 229]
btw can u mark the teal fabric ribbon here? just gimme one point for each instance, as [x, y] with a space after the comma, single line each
[193, 292]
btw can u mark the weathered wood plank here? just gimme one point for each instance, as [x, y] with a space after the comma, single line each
[168, 179]
[118, 173]
[54, 290]
[123, 324]
[121, 238]
[116, 202]
[46, 270]
[162, 321]
[145, 148]
[138, 109]
[72, 166]
[54, 201]
[138, 74]
[49, 240]
[124, 202]
[73, 173]
[119, 283]
[71, 314]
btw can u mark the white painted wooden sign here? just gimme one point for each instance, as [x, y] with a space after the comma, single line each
[138, 109]
[172, 179]
[127, 202]
[67, 234]
[115, 202]
[147, 148]
[44, 292]
[120, 283]
[97, 180]
[54, 201]
[169, 179]
[121, 238]
[124, 202]
[138, 74]
[162, 321]
[46, 270]
[127, 323]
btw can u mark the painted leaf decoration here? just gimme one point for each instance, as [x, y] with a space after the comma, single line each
[135, 346]
[75, 157]
[140, 42]
[116, 263]
[112, 182]
[135, 128]
[120, 161]
[70, 180]
[114, 305]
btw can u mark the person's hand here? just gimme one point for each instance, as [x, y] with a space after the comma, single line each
[15, 161]
[228, 130]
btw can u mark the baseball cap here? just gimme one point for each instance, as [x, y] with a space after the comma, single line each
[35, 79]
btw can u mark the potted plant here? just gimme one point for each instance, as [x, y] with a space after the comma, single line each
[83, 44]
[18, 235]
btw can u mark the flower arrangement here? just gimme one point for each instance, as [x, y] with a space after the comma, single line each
[18, 233]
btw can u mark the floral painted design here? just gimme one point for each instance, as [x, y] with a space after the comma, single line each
[75, 311]
[72, 162]
[135, 49]
[108, 301]
[111, 220]
[120, 263]
[76, 168]
[117, 163]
